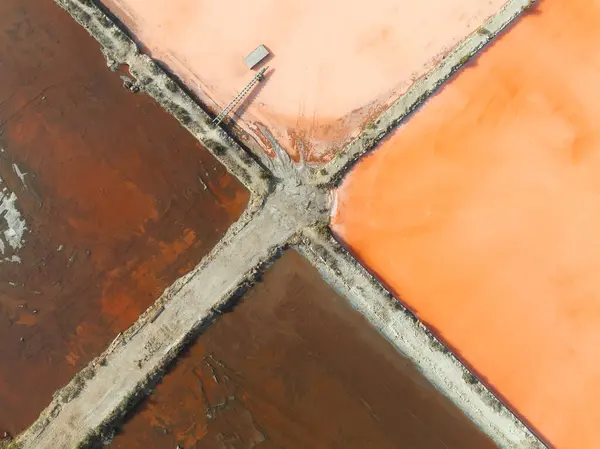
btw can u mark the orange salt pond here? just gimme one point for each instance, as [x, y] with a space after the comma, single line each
[335, 64]
[482, 215]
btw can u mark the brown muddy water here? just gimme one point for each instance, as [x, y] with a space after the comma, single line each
[104, 201]
[294, 366]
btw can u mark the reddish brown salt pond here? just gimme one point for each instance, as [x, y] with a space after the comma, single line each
[482, 214]
[294, 366]
[106, 184]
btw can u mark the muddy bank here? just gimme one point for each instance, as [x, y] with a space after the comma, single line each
[106, 200]
[294, 366]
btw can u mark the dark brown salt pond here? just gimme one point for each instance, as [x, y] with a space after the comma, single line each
[294, 366]
[108, 186]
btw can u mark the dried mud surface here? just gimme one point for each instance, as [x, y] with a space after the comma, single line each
[294, 366]
[117, 198]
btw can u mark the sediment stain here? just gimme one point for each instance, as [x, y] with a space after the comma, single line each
[100, 188]
[294, 366]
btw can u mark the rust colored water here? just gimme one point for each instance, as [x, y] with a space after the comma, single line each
[107, 185]
[335, 65]
[295, 366]
[482, 214]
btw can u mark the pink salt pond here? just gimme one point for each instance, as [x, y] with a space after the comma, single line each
[335, 64]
